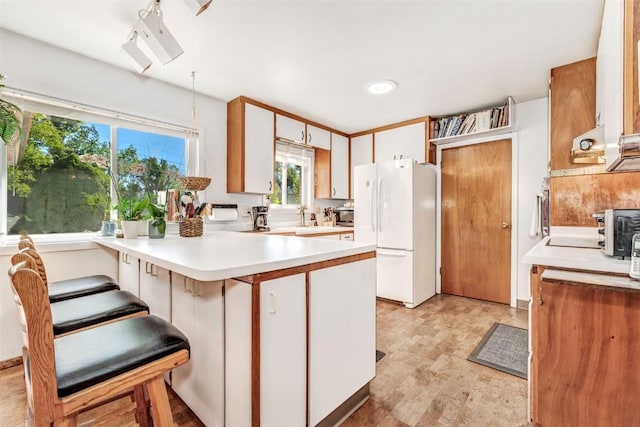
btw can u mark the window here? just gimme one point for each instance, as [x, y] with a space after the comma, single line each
[60, 180]
[293, 176]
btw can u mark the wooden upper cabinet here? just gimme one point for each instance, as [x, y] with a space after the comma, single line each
[573, 93]
[318, 137]
[339, 167]
[361, 153]
[289, 129]
[402, 142]
[250, 148]
[631, 97]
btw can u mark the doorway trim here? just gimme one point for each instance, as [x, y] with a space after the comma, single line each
[514, 207]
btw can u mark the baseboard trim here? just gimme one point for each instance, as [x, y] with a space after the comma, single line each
[522, 304]
[349, 406]
[10, 363]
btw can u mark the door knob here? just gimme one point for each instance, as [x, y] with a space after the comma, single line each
[504, 225]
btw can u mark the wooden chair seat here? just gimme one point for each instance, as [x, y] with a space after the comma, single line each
[84, 312]
[65, 289]
[80, 371]
[90, 357]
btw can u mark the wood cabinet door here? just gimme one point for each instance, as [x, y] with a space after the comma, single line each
[197, 310]
[319, 138]
[476, 221]
[259, 154]
[361, 154]
[404, 142]
[339, 167]
[573, 108]
[289, 129]
[586, 356]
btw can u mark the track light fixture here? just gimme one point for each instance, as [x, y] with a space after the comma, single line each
[140, 60]
[156, 35]
[198, 6]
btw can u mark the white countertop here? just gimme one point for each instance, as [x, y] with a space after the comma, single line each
[226, 254]
[591, 278]
[578, 258]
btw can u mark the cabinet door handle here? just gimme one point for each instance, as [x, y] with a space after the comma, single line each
[272, 303]
[334, 191]
[302, 135]
[400, 156]
[270, 186]
[309, 138]
[186, 288]
[149, 269]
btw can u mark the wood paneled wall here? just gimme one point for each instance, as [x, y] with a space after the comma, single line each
[575, 198]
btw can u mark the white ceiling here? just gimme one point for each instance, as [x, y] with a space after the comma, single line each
[312, 58]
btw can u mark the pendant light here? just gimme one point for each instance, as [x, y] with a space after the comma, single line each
[194, 182]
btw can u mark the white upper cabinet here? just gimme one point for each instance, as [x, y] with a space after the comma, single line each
[289, 129]
[259, 150]
[361, 153]
[339, 167]
[609, 77]
[319, 138]
[404, 142]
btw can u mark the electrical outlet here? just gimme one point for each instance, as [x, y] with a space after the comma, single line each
[245, 211]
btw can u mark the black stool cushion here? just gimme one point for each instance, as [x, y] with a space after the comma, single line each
[98, 354]
[77, 313]
[73, 288]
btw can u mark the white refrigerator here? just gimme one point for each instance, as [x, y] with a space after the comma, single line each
[395, 208]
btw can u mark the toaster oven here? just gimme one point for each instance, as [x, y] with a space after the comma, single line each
[617, 227]
[344, 216]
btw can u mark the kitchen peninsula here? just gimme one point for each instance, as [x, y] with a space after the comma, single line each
[282, 329]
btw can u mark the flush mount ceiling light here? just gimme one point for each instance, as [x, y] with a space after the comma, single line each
[197, 6]
[380, 87]
[156, 35]
[140, 60]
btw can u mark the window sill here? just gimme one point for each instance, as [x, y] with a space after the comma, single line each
[51, 242]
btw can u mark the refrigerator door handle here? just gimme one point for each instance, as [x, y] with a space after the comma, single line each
[372, 206]
[379, 201]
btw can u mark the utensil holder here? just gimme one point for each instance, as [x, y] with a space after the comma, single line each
[191, 227]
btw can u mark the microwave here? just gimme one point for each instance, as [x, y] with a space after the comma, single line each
[344, 216]
[617, 227]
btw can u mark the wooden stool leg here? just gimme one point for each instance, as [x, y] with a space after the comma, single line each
[160, 409]
[142, 410]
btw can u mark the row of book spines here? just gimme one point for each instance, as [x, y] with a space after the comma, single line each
[467, 123]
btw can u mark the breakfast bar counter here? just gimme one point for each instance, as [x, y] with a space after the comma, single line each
[282, 329]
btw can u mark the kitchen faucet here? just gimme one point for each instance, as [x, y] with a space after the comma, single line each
[301, 210]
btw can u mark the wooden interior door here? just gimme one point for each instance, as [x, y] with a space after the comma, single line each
[476, 221]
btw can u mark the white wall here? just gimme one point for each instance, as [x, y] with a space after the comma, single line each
[532, 123]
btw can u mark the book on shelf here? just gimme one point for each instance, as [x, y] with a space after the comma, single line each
[483, 120]
[463, 124]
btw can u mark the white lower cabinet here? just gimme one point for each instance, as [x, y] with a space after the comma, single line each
[198, 311]
[129, 273]
[347, 236]
[155, 289]
[342, 355]
[282, 351]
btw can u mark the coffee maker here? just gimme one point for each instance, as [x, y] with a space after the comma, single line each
[259, 215]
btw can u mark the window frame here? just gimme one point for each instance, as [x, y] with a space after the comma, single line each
[37, 103]
[304, 155]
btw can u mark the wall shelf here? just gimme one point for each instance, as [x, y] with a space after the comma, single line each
[459, 127]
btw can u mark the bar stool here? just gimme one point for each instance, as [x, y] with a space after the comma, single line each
[71, 288]
[79, 371]
[75, 314]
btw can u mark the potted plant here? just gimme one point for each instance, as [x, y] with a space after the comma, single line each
[130, 211]
[157, 222]
[10, 120]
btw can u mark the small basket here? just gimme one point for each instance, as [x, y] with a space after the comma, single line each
[191, 227]
[195, 183]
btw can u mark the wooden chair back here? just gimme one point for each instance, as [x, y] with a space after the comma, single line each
[33, 260]
[32, 300]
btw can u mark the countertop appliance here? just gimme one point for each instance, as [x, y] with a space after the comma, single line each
[617, 229]
[395, 208]
[259, 215]
[344, 216]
